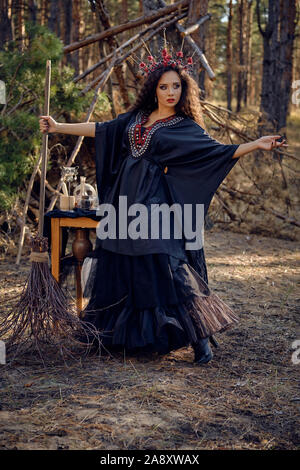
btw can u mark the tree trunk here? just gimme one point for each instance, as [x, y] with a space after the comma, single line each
[196, 10]
[44, 12]
[76, 19]
[296, 71]
[68, 30]
[125, 19]
[53, 19]
[248, 50]
[285, 76]
[278, 41]
[211, 40]
[33, 10]
[229, 57]
[140, 7]
[112, 43]
[124, 11]
[5, 23]
[20, 25]
[241, 42]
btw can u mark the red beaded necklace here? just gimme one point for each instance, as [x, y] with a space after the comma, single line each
[139, 142]
[140, 137]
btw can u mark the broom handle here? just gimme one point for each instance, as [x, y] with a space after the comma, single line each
[44, 150]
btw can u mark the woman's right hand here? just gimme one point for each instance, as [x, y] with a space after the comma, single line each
[47, 124]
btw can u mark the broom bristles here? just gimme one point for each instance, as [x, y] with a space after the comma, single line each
[211, 315]
[44, 318]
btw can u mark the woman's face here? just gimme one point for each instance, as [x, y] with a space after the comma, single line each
[168, 90]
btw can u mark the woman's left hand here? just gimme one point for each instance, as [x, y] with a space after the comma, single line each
[269, 142]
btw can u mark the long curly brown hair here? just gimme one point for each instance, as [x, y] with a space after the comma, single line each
[189, 103]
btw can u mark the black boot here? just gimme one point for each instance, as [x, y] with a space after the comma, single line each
[203, 353]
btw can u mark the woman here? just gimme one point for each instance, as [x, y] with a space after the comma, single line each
[151, 294]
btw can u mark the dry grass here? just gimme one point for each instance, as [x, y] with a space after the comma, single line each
[245, 398]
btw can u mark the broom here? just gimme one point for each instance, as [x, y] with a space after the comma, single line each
[44, 319]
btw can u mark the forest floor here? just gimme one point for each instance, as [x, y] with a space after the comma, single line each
[247, 397]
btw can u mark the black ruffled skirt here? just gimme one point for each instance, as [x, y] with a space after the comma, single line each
[151, 303]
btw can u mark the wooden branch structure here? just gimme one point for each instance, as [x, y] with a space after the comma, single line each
[191, 29]
[136, 37]
[186, 34]
[121, 59]
[198, 51]
[148, 19]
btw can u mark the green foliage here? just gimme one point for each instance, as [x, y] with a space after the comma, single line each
[24, 76]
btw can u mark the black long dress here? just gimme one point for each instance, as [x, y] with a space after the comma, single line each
[152, 294]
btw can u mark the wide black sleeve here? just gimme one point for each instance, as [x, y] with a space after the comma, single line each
[109, 138]
[197, 163]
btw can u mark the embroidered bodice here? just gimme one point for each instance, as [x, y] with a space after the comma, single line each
[139, 141]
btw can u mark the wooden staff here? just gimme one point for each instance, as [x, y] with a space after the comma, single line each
[44, 150]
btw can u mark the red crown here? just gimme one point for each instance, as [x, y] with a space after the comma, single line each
[165, 59]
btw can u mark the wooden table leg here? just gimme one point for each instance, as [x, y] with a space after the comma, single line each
[56, 247]
[81, 246]
[79, 300]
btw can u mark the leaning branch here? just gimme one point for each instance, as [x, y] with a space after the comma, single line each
[140, 44]
[184, 33]
[148, 19]
[126, 44]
